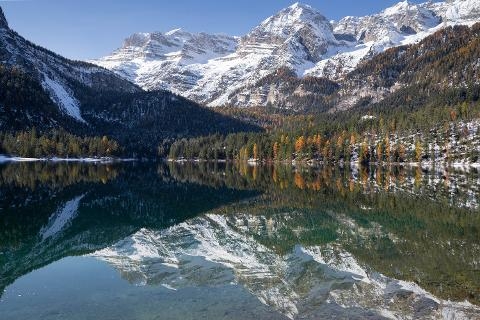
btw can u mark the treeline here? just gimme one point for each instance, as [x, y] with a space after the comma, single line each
[276, 177]
[368, 139]
[282, 147]
[144, 118]
[42, 174]
[56, 143]
[264, 147]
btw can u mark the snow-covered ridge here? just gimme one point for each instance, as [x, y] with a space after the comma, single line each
[144, 55]
[213, 69]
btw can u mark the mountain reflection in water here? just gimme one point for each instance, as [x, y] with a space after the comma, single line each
[306, 242]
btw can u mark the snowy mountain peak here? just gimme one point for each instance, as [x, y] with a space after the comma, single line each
[220, 70]
[137, 39]
[299, 29]
[300, 9]
[299, 5]
[3, 20]
[399, 7]
[409, 17]
[389, 26]
[292, 18]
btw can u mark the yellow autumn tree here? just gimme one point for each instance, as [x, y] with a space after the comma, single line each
[401, 152]
[379, 152]
[340, 141]
[300, 144]
[353, 140]
[318, 142]
[276, 149]
[418, 151]
[299, 181]
[387, 148]
[255, 151]
[326, 151]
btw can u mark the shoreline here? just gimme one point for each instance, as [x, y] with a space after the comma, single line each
[251, 162]
[7, 159]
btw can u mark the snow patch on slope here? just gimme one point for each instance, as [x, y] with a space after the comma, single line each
[63, 98]
[60, 219]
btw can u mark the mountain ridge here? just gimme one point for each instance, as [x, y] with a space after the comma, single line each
[298, 37]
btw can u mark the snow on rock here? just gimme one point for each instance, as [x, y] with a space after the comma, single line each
[368, 117]
[297, 24]
[213, 69]
[168, 60]
[8, 158]
[458, 11]
[4, 159]
[298, 37]
[343, 262]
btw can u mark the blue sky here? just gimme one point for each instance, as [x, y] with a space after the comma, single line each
[85, 29]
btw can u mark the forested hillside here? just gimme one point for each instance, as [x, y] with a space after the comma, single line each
[57, 143]
[443, 69]
[410, 104]
[140, 121]
[50, 98]
[404, 91]
[24, 104]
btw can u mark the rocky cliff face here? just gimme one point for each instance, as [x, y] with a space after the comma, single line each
[162, 60]
[208, 68]
[387, 27]
[220, 70]
[456, 11]
[3, 20]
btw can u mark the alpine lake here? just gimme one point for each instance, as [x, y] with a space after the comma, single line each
[150, 240]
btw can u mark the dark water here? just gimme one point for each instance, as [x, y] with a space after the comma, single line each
[224, 241]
